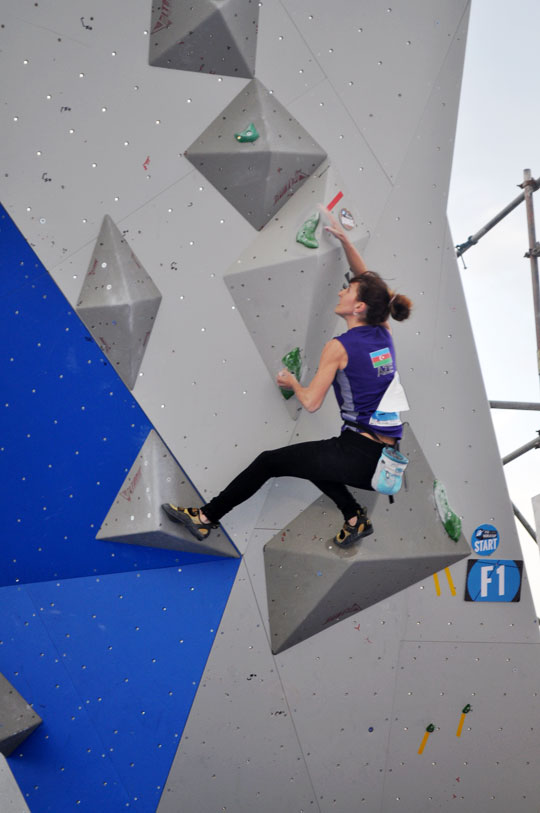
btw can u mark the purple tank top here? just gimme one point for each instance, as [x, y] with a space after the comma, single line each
[360, 387]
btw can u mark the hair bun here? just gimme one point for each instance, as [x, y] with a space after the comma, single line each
[400, 307]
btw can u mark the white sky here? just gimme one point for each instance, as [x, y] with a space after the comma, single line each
[498, 136]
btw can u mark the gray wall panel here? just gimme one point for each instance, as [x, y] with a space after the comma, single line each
[341, 685]
[500, 683]
[445, 617]
[240, 751]
[378, 59]
[326, 118]
[121, 112]
[283, 43]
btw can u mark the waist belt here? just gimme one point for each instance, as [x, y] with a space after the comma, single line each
[361, 428]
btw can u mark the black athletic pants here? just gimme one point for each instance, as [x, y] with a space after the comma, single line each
[349, 459]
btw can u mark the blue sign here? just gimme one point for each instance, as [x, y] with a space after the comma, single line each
[485, 540]
[493, 580]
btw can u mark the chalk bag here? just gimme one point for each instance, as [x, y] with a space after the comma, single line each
[388, 475]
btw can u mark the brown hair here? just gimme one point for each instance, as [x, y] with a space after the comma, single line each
[380, 300]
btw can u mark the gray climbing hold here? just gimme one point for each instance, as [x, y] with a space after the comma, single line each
[257, 179]
[205, 36]
[409, 543]
[17, 718]
[118, 302]
[136, 516]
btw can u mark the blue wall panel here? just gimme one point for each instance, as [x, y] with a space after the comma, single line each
[61, 763]
[107, 641]
[69, 432]
[112, 664]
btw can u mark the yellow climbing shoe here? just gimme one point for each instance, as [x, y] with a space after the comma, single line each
[350, 534]
[189, 518]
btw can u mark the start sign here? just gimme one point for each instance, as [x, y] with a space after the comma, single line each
[485, 540]
[493, 580]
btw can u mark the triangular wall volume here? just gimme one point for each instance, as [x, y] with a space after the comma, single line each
[118, 302]
[286, 292]
[205, 36]
[312, 584]
[136, 516]
[257, 176]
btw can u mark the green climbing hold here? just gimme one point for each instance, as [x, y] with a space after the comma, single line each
[306, 235]
[450, 520]
[466, 709]
[431, 728]
[247, 135]
[293, 363]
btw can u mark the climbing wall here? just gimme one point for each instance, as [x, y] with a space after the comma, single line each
[162, 168]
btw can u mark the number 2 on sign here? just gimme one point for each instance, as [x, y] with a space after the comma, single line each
[485, 579]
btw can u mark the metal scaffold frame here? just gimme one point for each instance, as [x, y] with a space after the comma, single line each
[529, 186]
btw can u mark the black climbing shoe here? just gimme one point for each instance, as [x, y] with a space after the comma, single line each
[189, 517]
[350, 534]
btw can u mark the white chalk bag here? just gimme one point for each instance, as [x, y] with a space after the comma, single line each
[388, 475]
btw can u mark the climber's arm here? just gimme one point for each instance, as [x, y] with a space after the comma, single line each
[356, 263]
[333, 358]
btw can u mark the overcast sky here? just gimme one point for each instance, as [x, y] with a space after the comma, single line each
[498, 136]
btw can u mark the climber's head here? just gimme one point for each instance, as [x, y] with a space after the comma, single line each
[367, 300]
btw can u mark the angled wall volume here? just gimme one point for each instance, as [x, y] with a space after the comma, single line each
[256, 176]
[118, 302]
[17, 719]
[12, 798]
[312, 584]
[286, 292]
[206, 36]
[136, 516]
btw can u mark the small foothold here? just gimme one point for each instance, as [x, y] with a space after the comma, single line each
[466, 709]
[293, 363]
[450, 520]
[371, 729]
[431, 728]
[248, 135]
[306, 235]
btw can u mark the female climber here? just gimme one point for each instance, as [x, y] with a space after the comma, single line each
[360, 365]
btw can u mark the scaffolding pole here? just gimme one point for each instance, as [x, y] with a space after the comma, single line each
[528, 528]
[532, 444]
[530, 186]
[514, 405]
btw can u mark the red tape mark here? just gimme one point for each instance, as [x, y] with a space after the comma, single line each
[334, 201]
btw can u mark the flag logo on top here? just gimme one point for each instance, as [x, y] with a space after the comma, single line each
[380, 358]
